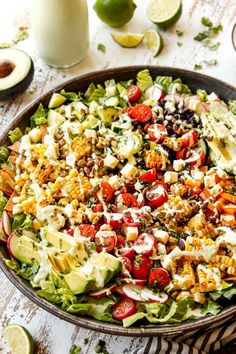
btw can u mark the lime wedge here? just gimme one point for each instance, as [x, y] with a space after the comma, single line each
[164, 12]
[18, 339]
[127, 40]
[154, 41]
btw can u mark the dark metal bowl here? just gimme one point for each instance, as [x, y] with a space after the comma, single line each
[234, 36]
[195, 81]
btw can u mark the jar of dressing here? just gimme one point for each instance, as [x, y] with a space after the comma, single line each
[60, 30]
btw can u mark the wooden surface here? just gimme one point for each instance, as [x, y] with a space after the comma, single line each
[52, 335]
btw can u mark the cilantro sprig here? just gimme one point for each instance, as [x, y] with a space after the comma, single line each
[206, 36]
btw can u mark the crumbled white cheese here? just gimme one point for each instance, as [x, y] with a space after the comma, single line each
[111, 161]
[170, 177]
[129, 171]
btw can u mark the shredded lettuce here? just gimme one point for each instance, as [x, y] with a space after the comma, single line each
[15, 135]
[181, 88]
[3, 202]
[144, 80]
[227, 293]
[232, 106]
[22, 221]
[24, 270]
[39, 117]
[71, 96]
[164, 81]
[202, 94]
[211, 308]
[4, 153]
[93, 93]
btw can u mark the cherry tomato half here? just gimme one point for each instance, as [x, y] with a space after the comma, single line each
[127, 263]
[87, 230]
[70, 231]
[149, 176]
[125, 307]
[189, 139]
[159, 278]
[107, 240]
[144, 244]
[107, 191]
[181, 154]
[98, 208]
[141, 267]
[115, 220]
[140, 113]
[129, 200]
[157, 132]
[120, 241]
[129, 253]
[156, 195]
[134, 93]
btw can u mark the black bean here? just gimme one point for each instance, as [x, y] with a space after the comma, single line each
[182, 244]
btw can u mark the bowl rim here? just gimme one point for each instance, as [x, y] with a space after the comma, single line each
[232, 36]
[87, 322]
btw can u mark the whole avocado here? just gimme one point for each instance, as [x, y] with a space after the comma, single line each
[115, 13]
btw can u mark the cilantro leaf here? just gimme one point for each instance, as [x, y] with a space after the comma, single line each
[101, 48]
[179, 33]
[206, 22]
[197, 67]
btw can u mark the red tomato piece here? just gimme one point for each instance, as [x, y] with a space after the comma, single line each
[115, 220]
[149, 176]
[125, 307]
[196, 158]
[144, 244]
[159, 278]
[129, 200]
[98, 208]
[157, 132]
[140, 113]
[107, 240]
[107, 191]
[189, 139]
[141, 267]
[70, 231]
[120, 241]
[130, 253]
[181, 154]
[156, 195]
[134, 93]
[87, 230]
[133, 218]
[127, 263]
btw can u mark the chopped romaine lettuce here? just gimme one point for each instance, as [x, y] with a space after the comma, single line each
[4, 153]
[164, 81]
[15, 135]
[71, 96]
[227, 293]
[232, 106]
[22, 221]
[3, 202]
[39, 117]
[144, 80]
[93, 93]
[24, 270]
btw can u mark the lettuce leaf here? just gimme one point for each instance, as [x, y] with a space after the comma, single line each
[211, 308]
[182, 89]
[227, 293]
[24, 270]
[39, 117]
[93, 93]
[15, 135]
[71, 96]
[164, 81]
[144, 80]
[232, 106]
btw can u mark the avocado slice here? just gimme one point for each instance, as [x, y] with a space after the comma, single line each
[63, 262]
[64, 242]
[107, 114]
[79, 282]
[56, 100]
[55, 118]
[16, 72]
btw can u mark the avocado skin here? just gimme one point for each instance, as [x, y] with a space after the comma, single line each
[19, 88]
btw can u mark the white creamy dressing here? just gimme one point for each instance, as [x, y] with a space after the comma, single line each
[229, 237]
[45, 266]
[49, 140]
[24, 150]
[148, 244]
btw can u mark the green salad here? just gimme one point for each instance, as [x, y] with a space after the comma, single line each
[119, 203]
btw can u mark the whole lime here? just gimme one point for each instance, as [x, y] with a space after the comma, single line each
[115, 13]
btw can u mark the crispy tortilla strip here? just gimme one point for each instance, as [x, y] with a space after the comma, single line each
[8, 170]
[6, 189]
[233, 278]
[44, 131]
[7, 179]
[15, 147]
[10, 204]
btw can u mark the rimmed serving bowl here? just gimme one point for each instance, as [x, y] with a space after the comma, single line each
[195, 81]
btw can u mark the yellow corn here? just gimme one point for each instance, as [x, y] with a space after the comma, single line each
[79, 188]
[82, 147]
[225, 263]
[29, 206]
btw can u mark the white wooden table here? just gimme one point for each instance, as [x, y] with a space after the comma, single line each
[52, 335]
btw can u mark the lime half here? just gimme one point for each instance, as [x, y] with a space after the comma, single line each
[154, 41]
[164, 12]
[18, 339]
[127, 40]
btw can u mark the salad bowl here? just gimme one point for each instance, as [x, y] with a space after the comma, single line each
[80, 84]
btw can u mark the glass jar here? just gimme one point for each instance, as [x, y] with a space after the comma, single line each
[60, 30]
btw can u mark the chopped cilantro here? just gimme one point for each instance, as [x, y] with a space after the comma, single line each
[75, 349]
[197, 67]
[21, 36]
[206, 22]
[211, 62]
[100, 347]
[212, 47]
[101, 48]
[179, 33]
[86, 341]
[5, 45]
[179, 44]
[210, 33]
